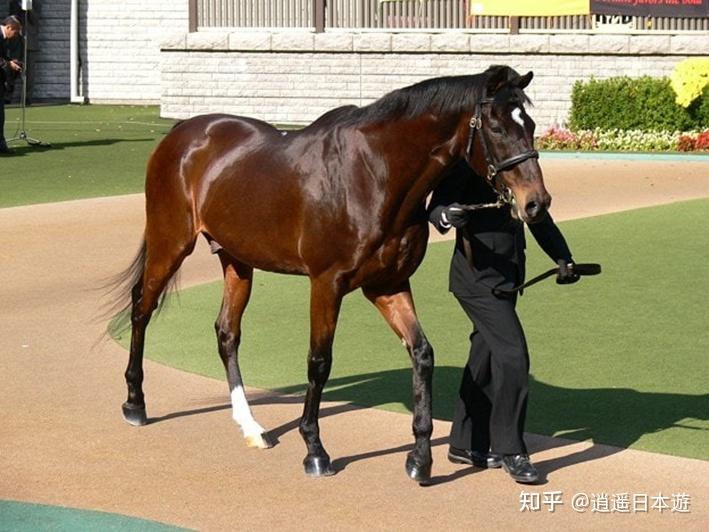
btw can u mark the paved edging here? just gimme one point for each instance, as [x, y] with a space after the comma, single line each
[625, 156]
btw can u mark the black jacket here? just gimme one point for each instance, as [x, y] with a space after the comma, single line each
[490, 248]
[3, 58]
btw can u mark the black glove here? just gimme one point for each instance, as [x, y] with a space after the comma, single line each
[454, 215]
[566, 274]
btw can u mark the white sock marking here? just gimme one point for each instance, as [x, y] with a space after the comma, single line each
[242, 413]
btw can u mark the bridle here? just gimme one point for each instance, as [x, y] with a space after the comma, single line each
[493, 168]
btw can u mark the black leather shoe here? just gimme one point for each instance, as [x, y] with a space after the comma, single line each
[520, 468]
[476, 458]
[4, 149]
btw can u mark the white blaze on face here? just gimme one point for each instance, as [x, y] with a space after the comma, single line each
[516, 208]
[517, 116]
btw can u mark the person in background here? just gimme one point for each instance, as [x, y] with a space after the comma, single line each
[489, 416]
[30, 22]
[10, 28]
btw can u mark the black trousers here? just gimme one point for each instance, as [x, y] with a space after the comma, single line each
[491, 409]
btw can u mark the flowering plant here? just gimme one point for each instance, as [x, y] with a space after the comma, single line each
[689, 78]
[702, 141]
[556, 138]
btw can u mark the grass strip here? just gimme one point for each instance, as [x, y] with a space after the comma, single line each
[618, 359]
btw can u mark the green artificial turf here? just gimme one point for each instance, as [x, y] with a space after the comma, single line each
[26, 517]
[620, 358]
[96, 150]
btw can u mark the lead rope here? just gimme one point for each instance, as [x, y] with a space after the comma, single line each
[501, 202]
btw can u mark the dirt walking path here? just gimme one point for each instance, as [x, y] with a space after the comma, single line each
[63, 441]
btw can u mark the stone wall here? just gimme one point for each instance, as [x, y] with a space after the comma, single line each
[292, 77]
[51, 69]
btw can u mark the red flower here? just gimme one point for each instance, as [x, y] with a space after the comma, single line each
[686, 143]
[702, 141]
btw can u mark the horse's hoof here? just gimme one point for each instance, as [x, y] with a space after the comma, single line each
[259, 441]
[420, 473]
[318, 466]
[135, 415]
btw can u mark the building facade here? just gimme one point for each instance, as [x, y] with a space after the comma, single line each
[144, 53]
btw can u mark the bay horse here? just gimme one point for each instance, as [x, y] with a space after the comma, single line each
[341, 201]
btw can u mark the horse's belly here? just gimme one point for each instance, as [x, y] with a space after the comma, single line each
[247, 217]
[262, 246]
[261, 252]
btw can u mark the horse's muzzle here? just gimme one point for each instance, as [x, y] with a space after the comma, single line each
[534, 209]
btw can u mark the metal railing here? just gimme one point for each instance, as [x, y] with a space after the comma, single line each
[410, 15]
[350, 14]
[255, 13]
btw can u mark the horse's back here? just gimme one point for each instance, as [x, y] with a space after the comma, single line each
[194, 147]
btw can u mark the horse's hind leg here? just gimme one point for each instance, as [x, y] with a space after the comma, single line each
[237, 289]
[161, 261]
[397, 307]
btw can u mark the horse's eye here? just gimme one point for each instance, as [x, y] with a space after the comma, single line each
[497, 130]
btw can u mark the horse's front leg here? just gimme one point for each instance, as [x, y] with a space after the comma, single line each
[325, 300]
[397, 307]
[238, 279]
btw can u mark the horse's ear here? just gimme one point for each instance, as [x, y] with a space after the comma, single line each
[499, 76]
[525, 80]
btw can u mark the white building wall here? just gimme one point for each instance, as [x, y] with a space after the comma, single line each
[119, 47]
[295, 77]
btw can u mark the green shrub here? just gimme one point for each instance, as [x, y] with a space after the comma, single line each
[699, 110]
[645, 104]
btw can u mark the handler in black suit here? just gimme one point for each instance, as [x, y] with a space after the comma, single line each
[10, 28]
[489, 417]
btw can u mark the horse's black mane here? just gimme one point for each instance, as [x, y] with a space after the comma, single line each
[444, 95]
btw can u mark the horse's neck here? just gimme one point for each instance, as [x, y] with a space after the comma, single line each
[431, 149]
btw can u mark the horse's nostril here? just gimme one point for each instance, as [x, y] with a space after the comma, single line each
[532, 209]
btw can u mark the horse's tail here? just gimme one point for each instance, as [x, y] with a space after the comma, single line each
[121, 288]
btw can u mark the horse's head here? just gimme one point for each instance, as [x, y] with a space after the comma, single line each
[501, 144]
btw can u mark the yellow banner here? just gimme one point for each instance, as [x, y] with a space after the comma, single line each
[530, 8]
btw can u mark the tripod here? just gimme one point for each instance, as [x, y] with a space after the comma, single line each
[22, 132]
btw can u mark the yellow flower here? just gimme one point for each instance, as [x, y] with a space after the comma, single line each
[689, 78]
